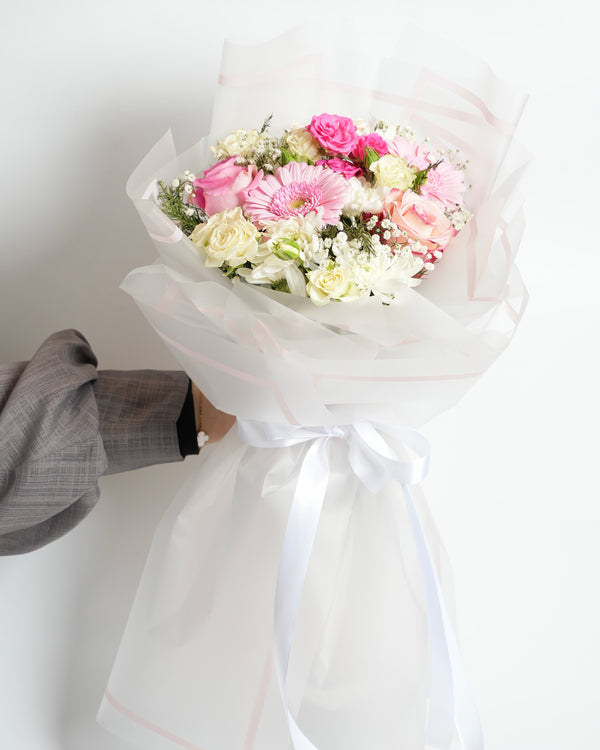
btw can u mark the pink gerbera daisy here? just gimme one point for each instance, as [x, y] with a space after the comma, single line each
[445, 184]
[412, 151]
[295, 190]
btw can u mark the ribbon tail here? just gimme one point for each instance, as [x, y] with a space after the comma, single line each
[295, 556]
[451, 703]
[452, 711]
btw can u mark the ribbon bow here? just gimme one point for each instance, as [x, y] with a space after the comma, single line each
[451, 705]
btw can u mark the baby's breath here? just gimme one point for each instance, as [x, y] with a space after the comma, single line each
[353, 229]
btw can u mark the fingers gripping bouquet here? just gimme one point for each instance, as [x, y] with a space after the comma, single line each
[296, 594]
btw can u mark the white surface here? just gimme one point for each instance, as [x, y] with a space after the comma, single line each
[86, 89]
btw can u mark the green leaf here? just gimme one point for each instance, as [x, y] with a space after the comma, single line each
[266, 124]
[370, 156]
[287, 156]
[281, 286]
[421, 176]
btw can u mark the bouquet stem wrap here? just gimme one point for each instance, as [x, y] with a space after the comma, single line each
[289, 599]
[451, 704]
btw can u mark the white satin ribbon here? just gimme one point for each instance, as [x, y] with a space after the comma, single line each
[451, 704]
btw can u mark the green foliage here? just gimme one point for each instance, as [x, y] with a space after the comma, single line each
[229, 271]
[266, 124]
[421, 176]
[370, 156]
[281, 286]
[172, 202]
[287, 156]
[355, 229]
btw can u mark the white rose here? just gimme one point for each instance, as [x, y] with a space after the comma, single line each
[303, 145]
[362, 126]
[227, 237]
[238, 143]
[325, 284]
[393, 172]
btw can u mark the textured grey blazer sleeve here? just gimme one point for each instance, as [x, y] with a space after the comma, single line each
[63, 424]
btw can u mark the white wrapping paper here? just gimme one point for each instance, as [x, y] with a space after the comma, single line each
[196, 665]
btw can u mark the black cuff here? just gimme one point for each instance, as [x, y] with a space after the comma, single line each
[186, 427]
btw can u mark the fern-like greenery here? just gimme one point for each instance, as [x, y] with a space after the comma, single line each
[172, 202]
[355, 229]
[421, 176]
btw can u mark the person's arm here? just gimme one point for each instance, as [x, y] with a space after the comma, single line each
[138, 412]
[63, 424]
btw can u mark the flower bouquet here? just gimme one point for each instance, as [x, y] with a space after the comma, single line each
[332, 210]
[328, 278]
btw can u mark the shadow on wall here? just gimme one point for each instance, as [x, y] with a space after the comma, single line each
[66, 272]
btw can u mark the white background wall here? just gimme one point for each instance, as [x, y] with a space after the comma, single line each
[86, 89]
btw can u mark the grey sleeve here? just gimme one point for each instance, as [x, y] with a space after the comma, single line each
[63, 424]
[138, 412]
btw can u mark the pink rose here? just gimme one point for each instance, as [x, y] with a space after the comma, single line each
[335, 133]
[346, 168]
[422, 219]
[373, 141]
[224, 186]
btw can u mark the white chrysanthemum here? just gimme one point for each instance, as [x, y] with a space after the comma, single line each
[364, 198]
[385, 274]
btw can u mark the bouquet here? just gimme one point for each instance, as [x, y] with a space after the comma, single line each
[333, 210]
[296, 594]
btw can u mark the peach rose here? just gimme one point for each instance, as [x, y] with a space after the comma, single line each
[422, 219]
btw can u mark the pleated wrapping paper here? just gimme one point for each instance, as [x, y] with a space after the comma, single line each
[296, 593]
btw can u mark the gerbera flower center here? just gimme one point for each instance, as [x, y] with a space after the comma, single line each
[297, 199]
[298, 203]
